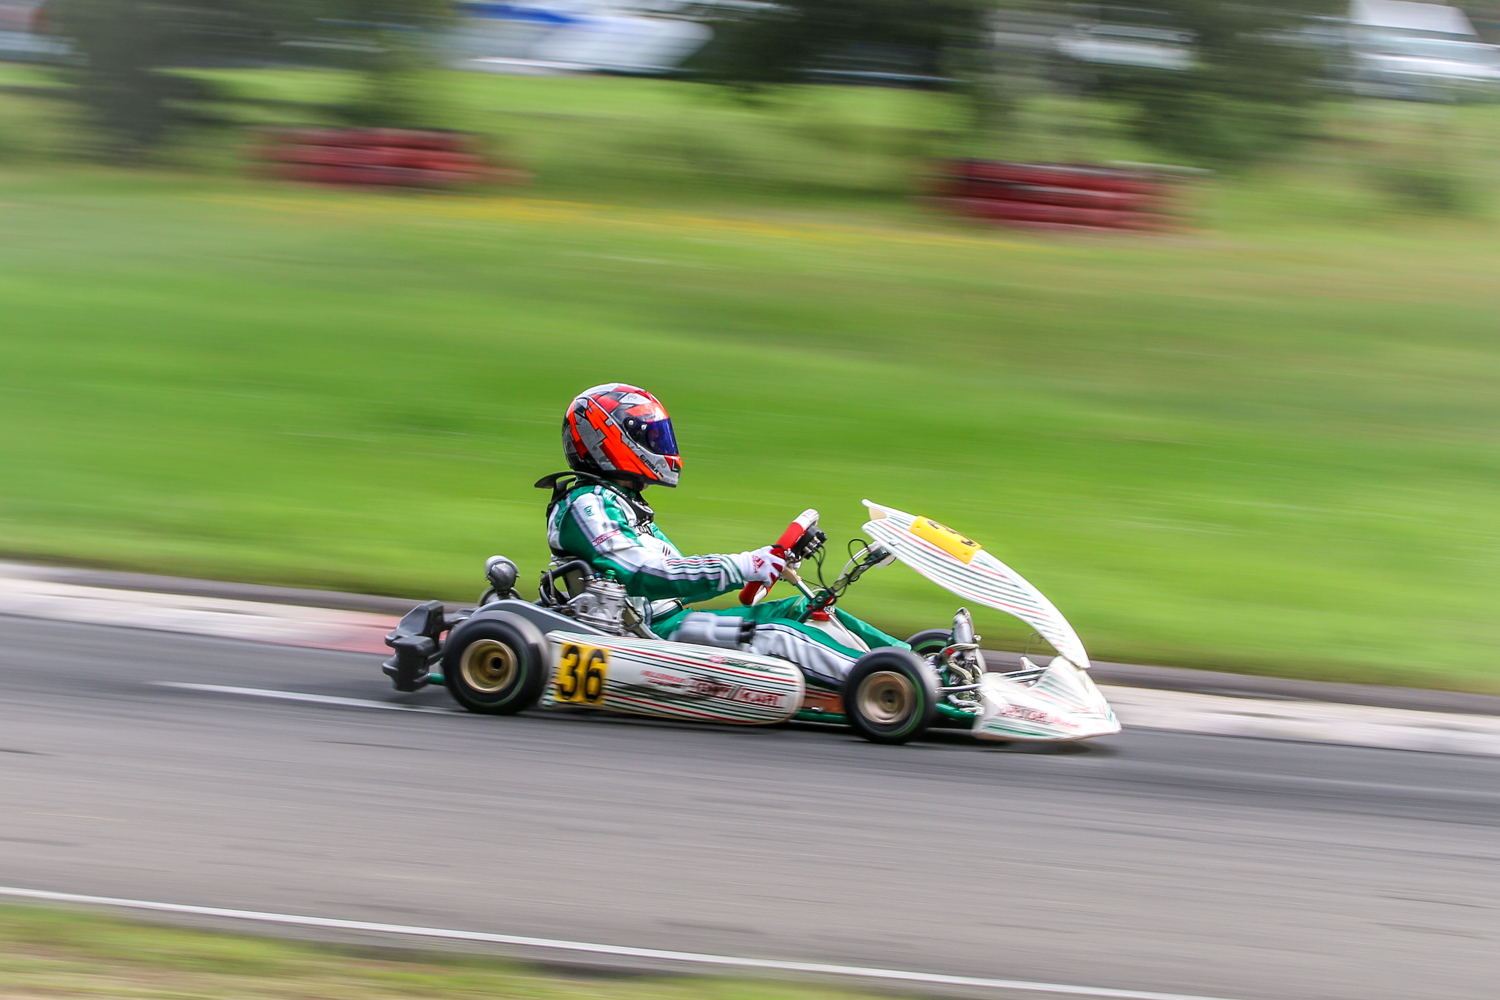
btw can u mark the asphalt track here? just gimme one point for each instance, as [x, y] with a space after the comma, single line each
[1150, 861]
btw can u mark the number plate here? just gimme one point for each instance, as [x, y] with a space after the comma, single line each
[945, 538]
[581, 673]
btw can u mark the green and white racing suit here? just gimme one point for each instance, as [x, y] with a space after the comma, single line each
[614, 529]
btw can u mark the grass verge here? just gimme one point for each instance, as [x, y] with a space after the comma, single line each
[1273, 449]
[47, 953]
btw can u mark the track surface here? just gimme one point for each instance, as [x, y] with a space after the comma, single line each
[1152, 860]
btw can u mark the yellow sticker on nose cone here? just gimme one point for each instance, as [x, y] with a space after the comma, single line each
[945, 538]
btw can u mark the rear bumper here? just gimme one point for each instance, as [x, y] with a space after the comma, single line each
[417, 643]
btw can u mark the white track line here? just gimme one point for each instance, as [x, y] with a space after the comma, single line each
[225, 618]
[1214, 715]
[321, 699]
[600, 949]
[1307, 721]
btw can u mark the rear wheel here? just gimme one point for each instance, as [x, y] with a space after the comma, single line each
[495, 665]
[890, 696]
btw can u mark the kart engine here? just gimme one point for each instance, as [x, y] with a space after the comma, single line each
[602, 605]
[962, 657]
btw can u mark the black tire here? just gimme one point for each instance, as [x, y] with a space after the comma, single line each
[495, 665]
[890, 696]
[930, 640]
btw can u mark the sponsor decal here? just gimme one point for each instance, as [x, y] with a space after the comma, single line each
[1032, 715]
[665, 680]
[764, 699]
[705, 687]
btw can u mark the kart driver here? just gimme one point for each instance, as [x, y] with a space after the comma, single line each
[618, 440]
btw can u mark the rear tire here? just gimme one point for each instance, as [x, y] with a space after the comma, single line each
[496, 665]
[890, 696]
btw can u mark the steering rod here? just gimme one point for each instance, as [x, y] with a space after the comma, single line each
[790, 575]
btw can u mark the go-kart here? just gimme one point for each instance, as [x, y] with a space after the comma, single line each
[582, 644]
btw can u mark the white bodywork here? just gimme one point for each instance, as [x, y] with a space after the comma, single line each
[1063, 703]
[1419, 50]
[1403, 15]
[573, 36]
[1129, 45]
[679, 680]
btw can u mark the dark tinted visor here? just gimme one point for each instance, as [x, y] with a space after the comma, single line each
[653, 434]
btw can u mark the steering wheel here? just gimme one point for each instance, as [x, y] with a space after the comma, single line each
[795, 542]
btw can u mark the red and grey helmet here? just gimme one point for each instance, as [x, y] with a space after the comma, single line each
[619, 430]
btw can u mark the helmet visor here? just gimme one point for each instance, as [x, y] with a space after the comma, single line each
[652, 433]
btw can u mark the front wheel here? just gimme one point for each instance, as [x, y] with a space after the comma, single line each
[496, 665]
[890, 696]
[930, 640]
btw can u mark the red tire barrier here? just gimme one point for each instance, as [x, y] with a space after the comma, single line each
[1054, 195]
[379, 157]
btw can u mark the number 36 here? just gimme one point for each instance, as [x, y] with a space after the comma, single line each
[581, 672]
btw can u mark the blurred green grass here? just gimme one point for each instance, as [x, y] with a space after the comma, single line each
[1268, 448]
[48, 953]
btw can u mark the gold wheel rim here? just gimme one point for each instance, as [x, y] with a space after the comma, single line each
[488, 665]
[886, 697]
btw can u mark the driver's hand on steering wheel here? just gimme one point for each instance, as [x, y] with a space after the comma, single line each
[762, 565]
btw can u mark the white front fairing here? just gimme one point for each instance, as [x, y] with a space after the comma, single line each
[1063, 704]
[957, 564]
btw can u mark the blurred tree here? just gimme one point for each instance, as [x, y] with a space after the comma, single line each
[129, 53]
[1252, 89]
[765, 44]
[388, 45]
[122, 47]
[932, 44]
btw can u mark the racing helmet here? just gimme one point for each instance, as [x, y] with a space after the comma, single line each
[620, 430]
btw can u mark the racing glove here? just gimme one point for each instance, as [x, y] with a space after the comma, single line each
[762, 565]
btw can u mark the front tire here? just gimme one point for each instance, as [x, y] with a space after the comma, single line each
[890, 696]
[930, 640]
[496, 665]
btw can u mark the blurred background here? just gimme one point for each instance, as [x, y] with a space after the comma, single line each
[1185, 308]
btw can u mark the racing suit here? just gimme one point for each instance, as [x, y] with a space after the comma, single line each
[613, 528]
